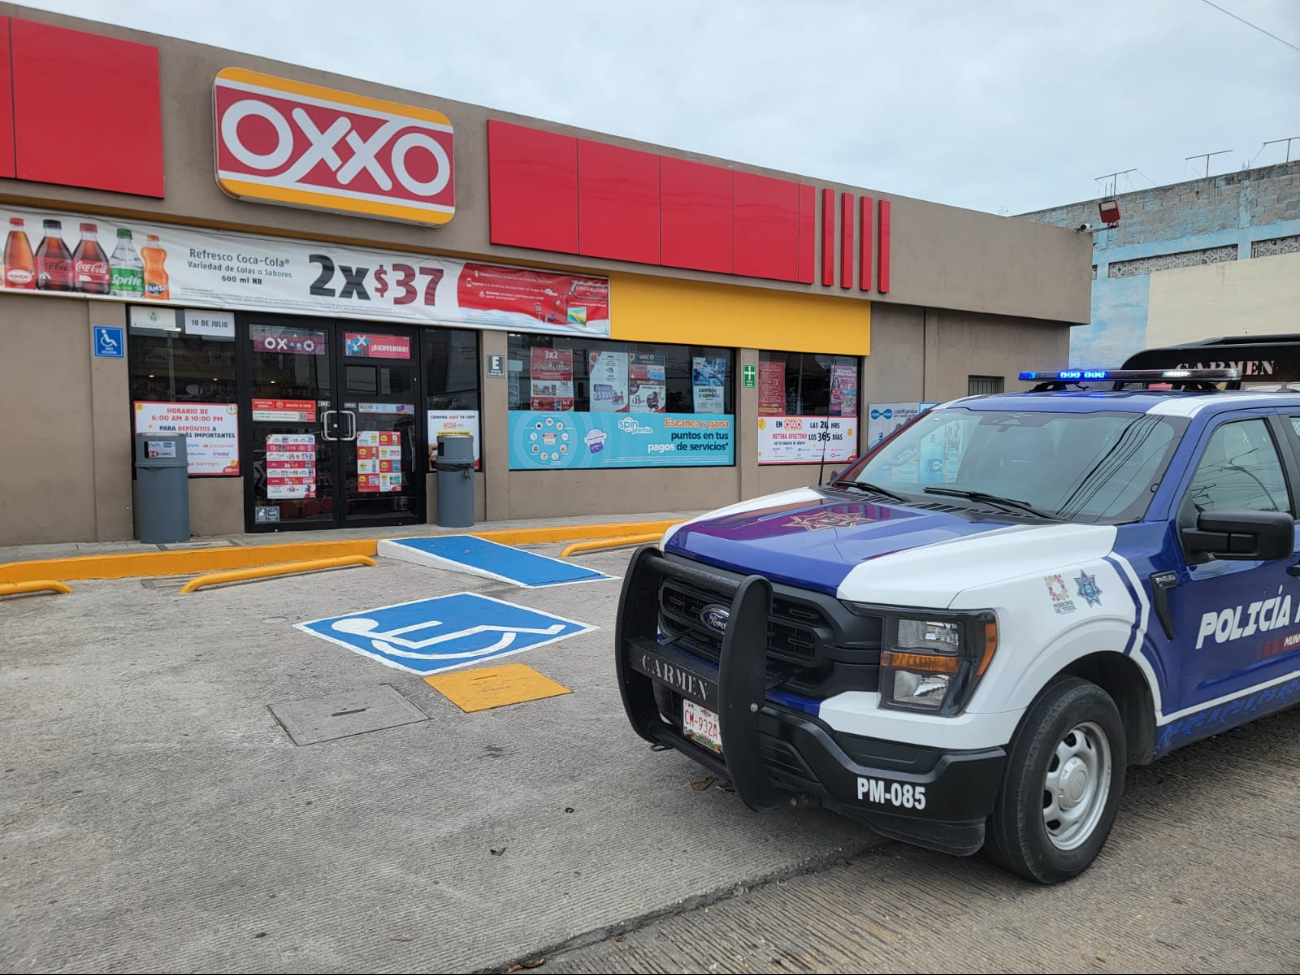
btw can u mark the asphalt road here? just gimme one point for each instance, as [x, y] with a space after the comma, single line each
[155, 815]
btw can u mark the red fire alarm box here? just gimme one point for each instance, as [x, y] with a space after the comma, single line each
[1109, 210]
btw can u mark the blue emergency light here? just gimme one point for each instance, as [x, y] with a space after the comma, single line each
[1132, 375]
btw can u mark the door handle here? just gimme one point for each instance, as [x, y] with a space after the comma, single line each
[351, 435]
[325, 425]
[1293, 570]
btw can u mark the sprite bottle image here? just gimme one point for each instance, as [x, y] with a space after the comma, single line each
[127, 267]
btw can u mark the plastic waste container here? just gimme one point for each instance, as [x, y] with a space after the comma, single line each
[162, 487]
[455, 467]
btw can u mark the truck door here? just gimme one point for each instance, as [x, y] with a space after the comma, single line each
[1237, 621]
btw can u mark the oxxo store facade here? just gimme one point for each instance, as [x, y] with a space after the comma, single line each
[311, 277]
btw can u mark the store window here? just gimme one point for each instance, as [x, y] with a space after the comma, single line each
[451, 386]
[983, 385]
[590, 403]
[807, 408]
[182, 377]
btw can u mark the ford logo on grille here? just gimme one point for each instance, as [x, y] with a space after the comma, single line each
[715, 617]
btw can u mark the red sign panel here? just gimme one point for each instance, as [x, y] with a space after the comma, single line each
[543, 296]
[286, 142]
[361, 345]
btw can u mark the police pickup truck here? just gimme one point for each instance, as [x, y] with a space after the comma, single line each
[967, 636]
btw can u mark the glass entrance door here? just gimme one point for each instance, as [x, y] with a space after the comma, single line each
[330, 424]
[377, 448]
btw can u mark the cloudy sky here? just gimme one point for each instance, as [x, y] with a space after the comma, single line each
[999, 105]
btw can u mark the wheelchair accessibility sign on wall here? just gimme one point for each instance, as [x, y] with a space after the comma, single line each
[432, 635]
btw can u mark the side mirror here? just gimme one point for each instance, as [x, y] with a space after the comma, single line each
[1244, 535]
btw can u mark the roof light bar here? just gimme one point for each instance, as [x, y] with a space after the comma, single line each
[1132, 375]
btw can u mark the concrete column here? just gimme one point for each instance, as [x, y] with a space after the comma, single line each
[494, 421]
[746, 438]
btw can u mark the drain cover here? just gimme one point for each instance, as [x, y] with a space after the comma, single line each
[344, 715]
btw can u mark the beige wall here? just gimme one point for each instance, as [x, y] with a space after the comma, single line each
[66, 428]
[943, 257]
[1260, 296]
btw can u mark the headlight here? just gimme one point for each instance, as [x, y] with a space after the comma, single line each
[929, 635]
[935, 664]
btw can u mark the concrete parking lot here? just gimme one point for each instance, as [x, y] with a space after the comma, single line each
[157, 815]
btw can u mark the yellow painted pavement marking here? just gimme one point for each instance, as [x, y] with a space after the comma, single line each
[485, 688]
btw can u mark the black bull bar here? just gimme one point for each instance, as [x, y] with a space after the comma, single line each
[739, 686]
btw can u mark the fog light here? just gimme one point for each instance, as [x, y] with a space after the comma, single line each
[919, 689]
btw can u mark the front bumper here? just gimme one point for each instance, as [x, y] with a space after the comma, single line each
[937, 798]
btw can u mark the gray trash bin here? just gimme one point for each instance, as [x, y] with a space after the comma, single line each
[455, 467]
[162, 487]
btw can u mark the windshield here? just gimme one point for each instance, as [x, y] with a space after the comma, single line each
[1091, 467]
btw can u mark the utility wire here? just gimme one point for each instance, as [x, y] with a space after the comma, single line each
[1254, 26]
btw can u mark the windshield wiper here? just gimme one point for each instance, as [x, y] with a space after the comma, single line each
[874, 489]
[991, 499]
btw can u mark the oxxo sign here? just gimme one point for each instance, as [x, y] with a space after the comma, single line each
[285, 142]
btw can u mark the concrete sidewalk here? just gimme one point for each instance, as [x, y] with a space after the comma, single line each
[64, 550]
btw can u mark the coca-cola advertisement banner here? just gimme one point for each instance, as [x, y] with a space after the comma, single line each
[67, 254]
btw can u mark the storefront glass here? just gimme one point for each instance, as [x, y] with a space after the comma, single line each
[584, 403]
[182, 376]
[807, 408]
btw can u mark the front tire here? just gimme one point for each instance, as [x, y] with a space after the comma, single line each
[1062, 786]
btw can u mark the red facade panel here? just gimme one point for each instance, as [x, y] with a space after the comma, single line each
[696, 215]
[86, 110]
[618, 203]
[807, 233]
[866, 209]
[846, 240]
[6, 104]
[828, 237]
[766, 227]
[884, 247]
[533, 187]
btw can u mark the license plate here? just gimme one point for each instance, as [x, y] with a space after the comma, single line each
[701, 726]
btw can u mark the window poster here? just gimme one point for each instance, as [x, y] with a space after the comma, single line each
[290, 466]
[379, 461]
[607, 372]
[708, 382]
[771, 388]
[552, 380]
[211, 432]
[648, 383]
[844, 391]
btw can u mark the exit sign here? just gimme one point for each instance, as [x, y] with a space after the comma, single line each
[751, 376]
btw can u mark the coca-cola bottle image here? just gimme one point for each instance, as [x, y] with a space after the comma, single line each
[53, 262]
[90, 273]
[19, 266]
[126, 267]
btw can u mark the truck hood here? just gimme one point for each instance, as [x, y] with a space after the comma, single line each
[813, 539]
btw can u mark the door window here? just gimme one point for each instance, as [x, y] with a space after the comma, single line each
[1240, 471]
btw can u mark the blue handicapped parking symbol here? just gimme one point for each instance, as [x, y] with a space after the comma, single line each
[432, 635]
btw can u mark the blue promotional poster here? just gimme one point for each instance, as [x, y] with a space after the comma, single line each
[569, 441]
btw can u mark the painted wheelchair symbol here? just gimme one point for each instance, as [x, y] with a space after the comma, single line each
[430, 635]
[393, 641]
